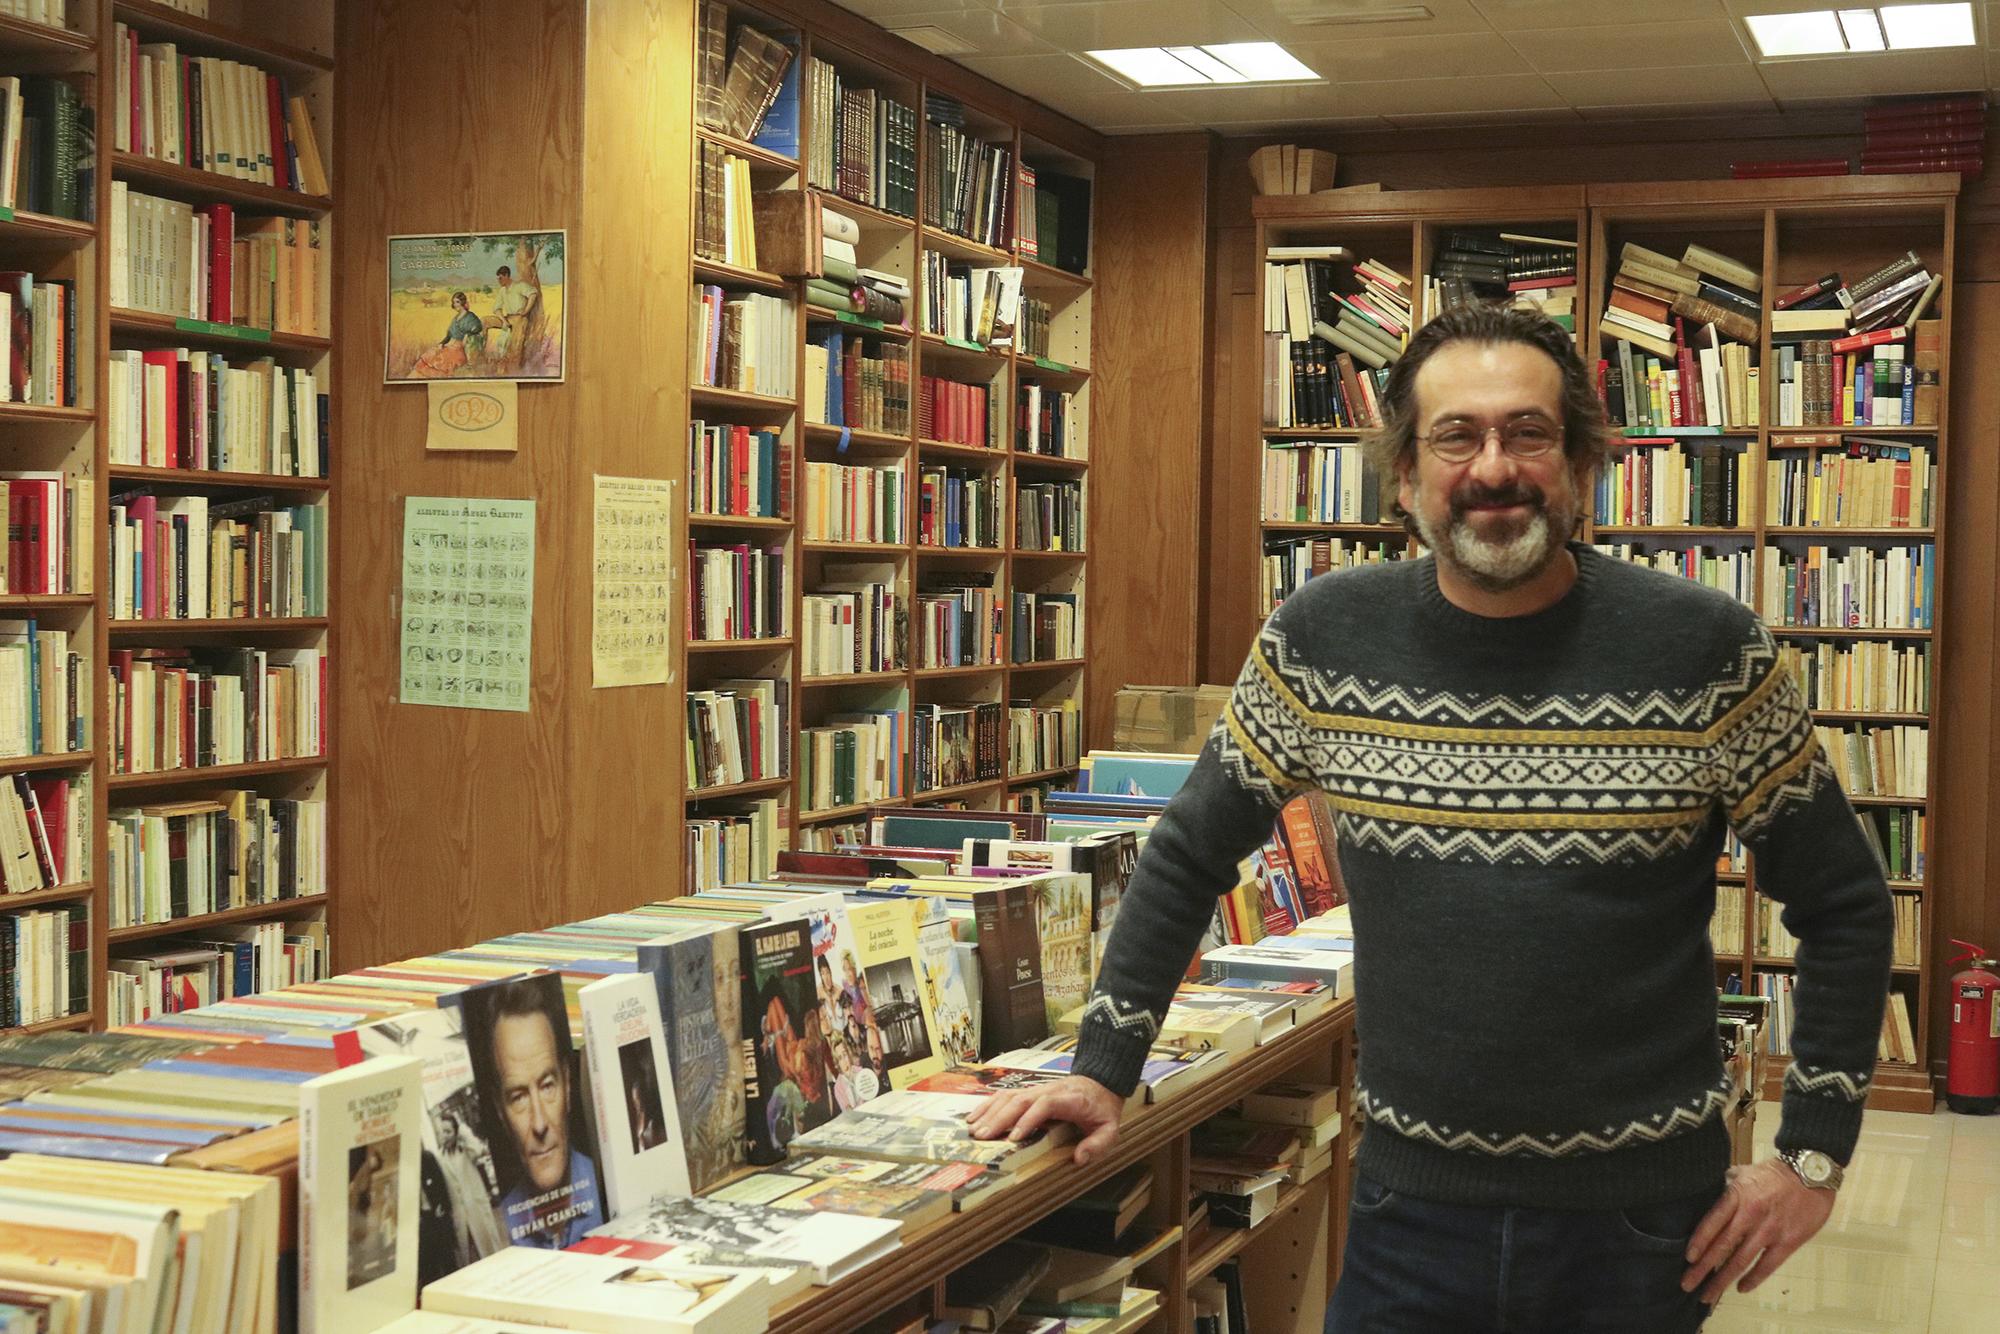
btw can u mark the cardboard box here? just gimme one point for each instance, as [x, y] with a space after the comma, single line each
[1173, 720]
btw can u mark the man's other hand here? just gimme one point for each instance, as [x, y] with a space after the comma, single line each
[1765, 1214]
[1083, 1102]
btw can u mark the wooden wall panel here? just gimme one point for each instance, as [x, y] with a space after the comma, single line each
[1147, 413]
[455, 825]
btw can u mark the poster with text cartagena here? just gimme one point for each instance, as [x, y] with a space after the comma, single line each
[477, 306]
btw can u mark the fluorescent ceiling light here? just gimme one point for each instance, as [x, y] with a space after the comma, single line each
[1815, 32]
[1825, 32]
[1914, 27]
[1204, 66]
[1862, 29]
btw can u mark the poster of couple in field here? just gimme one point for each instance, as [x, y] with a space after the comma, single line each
[477, 306]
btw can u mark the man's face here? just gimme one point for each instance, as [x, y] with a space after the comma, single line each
[1497, 519]
[534, 1092]
[505, 279]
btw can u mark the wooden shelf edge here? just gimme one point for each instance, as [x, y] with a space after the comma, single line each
[252, 912]
[218, 773]
[1218, 1245]
[214, 185]
[21, 34]
[754, 788]
[69, 759]
[256, 481]
[54, 894]
[128, 321]
[162, 18]
[208, 625]
[68, 1023]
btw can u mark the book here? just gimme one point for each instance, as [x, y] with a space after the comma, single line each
[632, 1091]
[966, 1185]
[779, 1243]
[911, 1126]
[696, 976]
[787, 1077]
[1014, 1012]
[890, 1016]
[910, 1205]
[1291, 1104]
[603, 1293]
[359, 1145]
[1101, 1215]
[524, 1070]
[984, 1294]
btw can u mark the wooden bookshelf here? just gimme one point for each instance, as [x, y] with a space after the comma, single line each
[1781, 229]
[899, 244]
[277, 910]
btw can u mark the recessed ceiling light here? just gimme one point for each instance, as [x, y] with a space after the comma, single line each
[1825, 32]
[1915, 27]
[1204, 66]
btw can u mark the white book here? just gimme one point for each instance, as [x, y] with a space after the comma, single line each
[359, 1149]
[642, 1152]
[603, 1294]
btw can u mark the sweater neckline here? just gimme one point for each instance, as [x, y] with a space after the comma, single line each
[1560, 612]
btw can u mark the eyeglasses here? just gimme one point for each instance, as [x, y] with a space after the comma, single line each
[1526, 438]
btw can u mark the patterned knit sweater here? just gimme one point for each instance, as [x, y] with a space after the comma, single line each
[1529, 812]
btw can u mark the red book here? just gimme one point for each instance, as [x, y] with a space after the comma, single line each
[1874, 337]
[137, 123]
[221, 249]
[21, 340]
[281, 162]
[1529, 284]
[1970, 132]
[1690, 412]
[34, 529]
[49, 799]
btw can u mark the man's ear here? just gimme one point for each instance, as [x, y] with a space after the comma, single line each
[1406, 484]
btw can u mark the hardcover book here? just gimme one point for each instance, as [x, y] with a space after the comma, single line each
[700, 989]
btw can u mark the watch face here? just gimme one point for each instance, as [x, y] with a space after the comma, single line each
[1815, 1166]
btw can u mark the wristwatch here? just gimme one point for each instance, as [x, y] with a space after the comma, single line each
[1814, 1168]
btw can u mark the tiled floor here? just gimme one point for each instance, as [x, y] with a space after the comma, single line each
[1913, 1245]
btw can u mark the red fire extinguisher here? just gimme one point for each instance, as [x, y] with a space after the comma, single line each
[1972, 1079]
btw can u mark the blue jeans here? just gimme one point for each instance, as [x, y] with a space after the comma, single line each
[1418, 1267]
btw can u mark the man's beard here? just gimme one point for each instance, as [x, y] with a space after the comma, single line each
[1523, 547]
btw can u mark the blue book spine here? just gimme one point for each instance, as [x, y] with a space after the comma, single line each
[78, 1146]
[780, 131]
[210, 1070]
[123, 1130]
[1909, 394]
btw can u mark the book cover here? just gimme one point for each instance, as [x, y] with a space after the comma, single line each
[758, 1236]
[1013, 1013]
[947, 988]
[532, 1107]
[889, 1017]
[909, 1126]
[788, 1088]
[700, 990]
[359, 1144]
[632, 1091]
[603, 1294]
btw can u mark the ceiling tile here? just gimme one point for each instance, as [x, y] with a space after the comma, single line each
[1248, 127]
[1206, 106]
[1876, 75]
[1637, 46]
[1130, 23]
[1285, 20]
[985, 29]
[1691, 86]
[1513, 15]
[880, 10]
[1066, 84]
[1678, 111]
[1470, 97]
[1367, 58]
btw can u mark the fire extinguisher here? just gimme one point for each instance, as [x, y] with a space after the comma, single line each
[1972, 1078]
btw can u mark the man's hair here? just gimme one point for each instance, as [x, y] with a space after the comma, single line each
[504, 272]
[1585, 439]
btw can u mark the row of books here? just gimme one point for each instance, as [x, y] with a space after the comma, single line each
[736, 732]
[47, 513]
[1725, 925]
[1897, 1043]
[1731, 572]
[1853, 381]
[39, 317]
[959, 622]
[1049, 516]
[737, 470]
[1043, 737]
[55, 13]
[47, 148]
[737, 592]
[188, 558]
[1036, 335]
[212, 114]
[864, 143]
[1663, 482]
[726, 847]
[970, 179]
[207, 263]
[971, 303]
[1290, 561]
[737, 85]
[1051, 422]
[1331, 327]
[744, 341]
[1853, 589]
[1860, 483]
[854, 623]
[1923, 135]
[44, 964]
[1897, 835]
[213, 853]
[1717, 386]
[854, 502]
[194, 708]
[856, 382]
[957, 413]
[44, 691]
[1879, 761]
[180, 407]
[725, 224]
[1307, 482]
[1046, 627]
[955, 744]
[212, 965]
[1872, 675]
[959, 506]
[45, 832]
[1906, 943]
[1473, 266]
[853, 758]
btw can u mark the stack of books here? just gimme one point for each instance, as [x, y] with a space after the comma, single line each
[857, 382]
[845, 286]
[854, 622]
[1287, 169]
[1683, 341]
[1915, 135]
[211, 114]
[736, 90]
[213, 853]
[178, 407]
[723, 848]
[735, 732]
[853, 503]
[1332, 325]
[735, 469]
[954, 412]
[1860, 353]
[38, 320]
[725, 227]
[208, 263]
[1474, 266]
[958, 506]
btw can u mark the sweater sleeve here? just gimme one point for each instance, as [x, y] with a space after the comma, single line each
[1812, 857]
[1254, 761]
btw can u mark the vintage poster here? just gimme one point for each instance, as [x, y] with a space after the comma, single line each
[476, 306]
[632, 582]
[468, 602]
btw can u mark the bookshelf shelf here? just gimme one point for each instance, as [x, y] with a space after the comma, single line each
[898, 333]
[1867, 716]
[29, 764]
[820, 431]
[19, 37]
[1306, 526]
[203, 37]
[1051, 665]
[867, 216]
[207, 479]
[39, 412]
[42, 229]
[756, 787]
[154, 327]
[729, 275]
[951, 450]
[1211, 1246]
[738, 521]
[253, 912]
[69, 1023]
[1308, 433]
[1040, 775]
[219, 625]
[203, 187]
[958, 247]
[1042, 368]
[828, 814]
[961, 553]
[53, 894]
[1901, 969]
[856, 548]
[739, 398]
[760, 159]
[1050, 462]
[956, 790]
[1905, 534]
[851, 679]
[737, 645]
[963, 355]
[218, 773]
[1037, 276]
[945, 673]
[1669, 530]
[1778, 434]
[34, 602]
[1908, 886]
[1846, 632]
[1032, 553]
[1887, 801]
